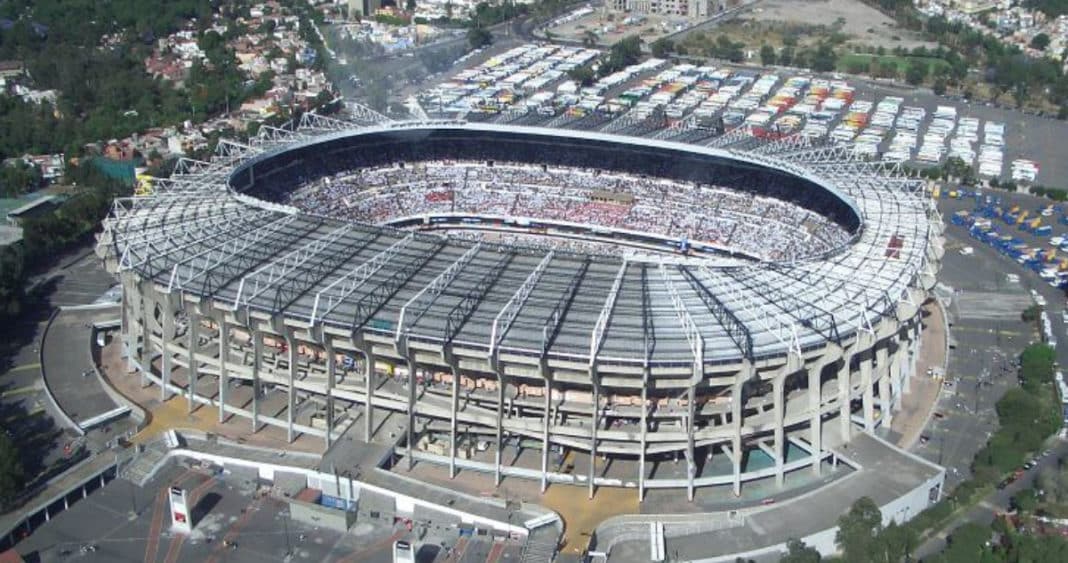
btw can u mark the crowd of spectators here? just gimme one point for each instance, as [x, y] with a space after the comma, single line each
[761, 227]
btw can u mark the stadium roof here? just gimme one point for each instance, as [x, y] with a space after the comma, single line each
[196, 236]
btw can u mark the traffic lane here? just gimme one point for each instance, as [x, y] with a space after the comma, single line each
[994, 503]
[1055, 298]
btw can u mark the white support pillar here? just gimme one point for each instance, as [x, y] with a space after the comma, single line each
[166, 363]
[257, 367]
[291, 395]
[146, 342]
[455, 405]
[844, 400]
[691, 462]
[815, 425]
[736, 436]
[193, 346]
[369, 393]
[901, 358]
[497, 458]
[593, 434]
[886, 402]
[777, 386]
[885, 373]
[128, 323]
[224, 352]
[643, 438]
[411, 411]
[546, 418]
[867, 392]
[331, 375]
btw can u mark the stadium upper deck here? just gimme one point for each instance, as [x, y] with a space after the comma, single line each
[223, 285]
[247, 255]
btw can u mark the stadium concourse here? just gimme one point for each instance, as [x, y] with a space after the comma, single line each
[767, 310]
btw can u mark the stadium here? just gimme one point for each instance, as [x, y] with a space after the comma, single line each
[742, 306]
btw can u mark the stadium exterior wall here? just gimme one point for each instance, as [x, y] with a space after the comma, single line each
[327, 379]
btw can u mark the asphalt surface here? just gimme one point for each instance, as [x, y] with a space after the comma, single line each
[68, 364]
[235, 519]
[998, 501]
[45, 445]
[985, 324]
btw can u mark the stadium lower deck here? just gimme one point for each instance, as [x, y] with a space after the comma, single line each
[566, 205]
[311, 323]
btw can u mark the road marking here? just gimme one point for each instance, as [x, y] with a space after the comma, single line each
[235, 529]
[495, 553]
[158, 511]
[19, 391]
[362, 553]
[179, 539]
[458, 550]
[24, 367]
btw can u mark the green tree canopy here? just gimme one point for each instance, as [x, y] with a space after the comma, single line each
[857, 530]
[11, 476]
[798, 552]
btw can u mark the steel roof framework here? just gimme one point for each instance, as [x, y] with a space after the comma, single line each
[195, 235]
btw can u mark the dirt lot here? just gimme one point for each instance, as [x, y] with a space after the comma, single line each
[864, 24]
[610, 28]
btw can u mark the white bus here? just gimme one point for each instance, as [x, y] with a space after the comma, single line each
[402, 552]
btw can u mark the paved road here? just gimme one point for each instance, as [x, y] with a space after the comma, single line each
[998, 501]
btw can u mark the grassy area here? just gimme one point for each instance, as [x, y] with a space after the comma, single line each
[862, 62]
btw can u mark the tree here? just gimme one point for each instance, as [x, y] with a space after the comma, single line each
[1040, 42]
[767, 55]
[895, 543]
[478, 37]
[662, 48]
[939, 86]
[916, 72]
[858, 528]
[786, 56]
[590, 38]
[967, 542]
[825, 59]
[1031, 314]
[623, 53]
[11, 475]
[584, 75]
[798, 552]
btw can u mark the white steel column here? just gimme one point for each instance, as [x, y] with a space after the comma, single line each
[593, 434]
[291, 397]
[331, 375]
[192, 347]
[257, 366]
[777, 386]
[844, 403]
[369, 393]
[455, 405]
[868, 394]
[146, 342]
[166, 364]
[546, 418]
[224, 351]
[902, 356]
[815, 425]
[643, 438]
[736, 435]
[885, 400]
[500, 428]
[411, 411]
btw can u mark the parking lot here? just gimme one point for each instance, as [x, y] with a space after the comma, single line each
[46, 446]
[530, 85]
[986, 293]
[236, 518]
